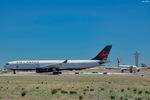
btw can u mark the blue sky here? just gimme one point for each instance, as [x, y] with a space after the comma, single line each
[74, 29]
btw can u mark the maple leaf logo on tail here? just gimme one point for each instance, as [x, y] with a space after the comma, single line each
[103, 54]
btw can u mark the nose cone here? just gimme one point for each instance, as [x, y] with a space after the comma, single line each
[6, 66]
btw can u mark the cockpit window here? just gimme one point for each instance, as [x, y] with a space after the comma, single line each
[7, 64]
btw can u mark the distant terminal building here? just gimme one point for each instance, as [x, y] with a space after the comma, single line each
[143, 65]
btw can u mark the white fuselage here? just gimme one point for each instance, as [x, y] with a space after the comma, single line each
[33, 64]
[128, 67]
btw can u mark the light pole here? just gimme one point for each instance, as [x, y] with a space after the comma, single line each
[136, 58]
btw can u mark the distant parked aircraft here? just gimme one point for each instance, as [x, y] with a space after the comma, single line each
[130, 68]
[56, 66]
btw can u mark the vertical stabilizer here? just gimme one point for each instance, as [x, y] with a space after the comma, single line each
[103, 54]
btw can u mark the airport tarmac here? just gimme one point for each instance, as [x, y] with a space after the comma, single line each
[77, 73]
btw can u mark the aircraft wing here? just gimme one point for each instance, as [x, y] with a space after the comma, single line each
[54, 65]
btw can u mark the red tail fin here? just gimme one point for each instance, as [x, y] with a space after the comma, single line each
[118, 62]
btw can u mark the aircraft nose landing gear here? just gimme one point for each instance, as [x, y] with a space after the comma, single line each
[14, 72]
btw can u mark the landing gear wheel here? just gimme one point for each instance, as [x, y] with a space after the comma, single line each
[57, 73]
[14, 72]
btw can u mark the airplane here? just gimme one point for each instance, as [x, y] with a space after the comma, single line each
[130, 68]
[56, 66]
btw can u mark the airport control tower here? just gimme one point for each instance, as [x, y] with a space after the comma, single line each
[136, 58]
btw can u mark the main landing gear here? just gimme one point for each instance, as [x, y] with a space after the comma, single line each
[57, 73]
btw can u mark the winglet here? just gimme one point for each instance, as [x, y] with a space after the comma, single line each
[65, 61]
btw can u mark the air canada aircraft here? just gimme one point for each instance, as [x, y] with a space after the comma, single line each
[56, 66]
